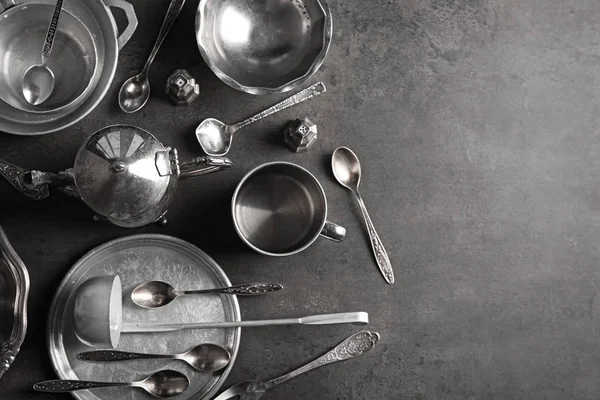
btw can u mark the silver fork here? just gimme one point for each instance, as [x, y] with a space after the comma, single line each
[354, 346]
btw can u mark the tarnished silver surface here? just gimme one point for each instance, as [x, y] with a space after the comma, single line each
[263, 46]
[280, 209]
[135, 259]
[126, 175]
[215, 137]
[14, 291]
[354, 346]
[86, 20]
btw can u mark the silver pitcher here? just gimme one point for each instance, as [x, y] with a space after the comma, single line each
[121, 172]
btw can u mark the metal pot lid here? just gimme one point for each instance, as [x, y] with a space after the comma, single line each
[116, 171]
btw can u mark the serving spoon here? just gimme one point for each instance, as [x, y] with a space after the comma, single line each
[155, 294]
[38, 80]
[135, 92]
[215, 136]
[346, 168]
[161, 384]
[354, 346]
[206, 357]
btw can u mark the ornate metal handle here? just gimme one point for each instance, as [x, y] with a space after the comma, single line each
[250, 289]
[383, 261]
[113, 355]
[51, 32]
[61, 386]
[16, 177]
[354, 346]
[306, 94]
[172, 13]
[203, 166]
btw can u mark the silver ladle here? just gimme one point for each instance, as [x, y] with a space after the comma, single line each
[346, 168]
[161, 384]
[135, 92]
[155, 294]
[38, 80]
[215, 137]
[205, 357]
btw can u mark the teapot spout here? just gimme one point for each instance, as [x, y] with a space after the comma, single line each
[203, 166]
[22, 180]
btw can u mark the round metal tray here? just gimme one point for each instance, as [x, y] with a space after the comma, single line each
[137, 259]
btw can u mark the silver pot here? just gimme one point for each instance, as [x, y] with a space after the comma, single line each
[121, 172]
[89, 38]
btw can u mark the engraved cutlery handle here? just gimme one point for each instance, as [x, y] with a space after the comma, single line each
[62, 386]
[113, 355]
[49, 42]
[16, 177]
[172, 13]
[303, 95]
[250, 289]
[354, 346]
[383, 261]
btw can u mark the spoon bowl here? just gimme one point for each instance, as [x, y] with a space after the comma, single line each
[165, 384]
[207, 357]
[214, 136]
[346, 168]
[134, 93]
[38, 84]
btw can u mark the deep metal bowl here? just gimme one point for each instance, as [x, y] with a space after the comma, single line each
[14, 291]
[73, 60]
[263, 46]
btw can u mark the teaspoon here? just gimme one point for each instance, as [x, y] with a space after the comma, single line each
[38, 80]
[161, 384]
[135, 92]
[155, 294]
[205, 357]
[215, 137]
[346, 168]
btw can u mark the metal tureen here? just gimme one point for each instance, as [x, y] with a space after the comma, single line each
[121, 172]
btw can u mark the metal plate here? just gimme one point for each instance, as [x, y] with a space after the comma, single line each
[137, 259]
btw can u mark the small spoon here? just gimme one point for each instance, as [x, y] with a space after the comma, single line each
[135, 92]
[38, 80]
[215, 137]
[205, 357]
[156, 294]
[161, 384]
[346, 168]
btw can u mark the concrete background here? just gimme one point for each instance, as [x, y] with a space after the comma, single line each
[476, 122]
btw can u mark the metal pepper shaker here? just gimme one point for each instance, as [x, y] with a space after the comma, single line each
[182, 88]
[300, 134]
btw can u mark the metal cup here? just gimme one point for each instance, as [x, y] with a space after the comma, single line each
[280, 209]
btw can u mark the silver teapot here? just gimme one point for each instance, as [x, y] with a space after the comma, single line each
[121, 172]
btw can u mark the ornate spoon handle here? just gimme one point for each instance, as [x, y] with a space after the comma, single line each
[383, 261]
[172, 13]
[250, 289]
[49, 42]
[306, 94]
[113, 355]
[61, 386]
[354, 346]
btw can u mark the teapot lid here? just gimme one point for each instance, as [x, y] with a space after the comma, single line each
[117, 171]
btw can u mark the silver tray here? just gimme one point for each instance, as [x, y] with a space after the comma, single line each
[137, 259]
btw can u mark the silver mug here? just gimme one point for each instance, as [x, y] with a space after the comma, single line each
[280, 209]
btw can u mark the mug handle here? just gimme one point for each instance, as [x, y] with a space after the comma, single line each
[132, 20]
[333, 232]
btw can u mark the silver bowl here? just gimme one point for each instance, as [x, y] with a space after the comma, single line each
[73, 61]
[14, 291]
[263, 46]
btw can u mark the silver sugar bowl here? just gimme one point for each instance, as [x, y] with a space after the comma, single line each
[121, 172]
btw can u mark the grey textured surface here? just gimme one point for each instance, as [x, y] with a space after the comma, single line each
[476, 123]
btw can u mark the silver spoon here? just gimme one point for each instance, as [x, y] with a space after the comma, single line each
[205, 357]
[354, 346]
[135, 92]
[161, 384]
[215, 137]
[346, 169]
[38, 80]
[155, 294]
